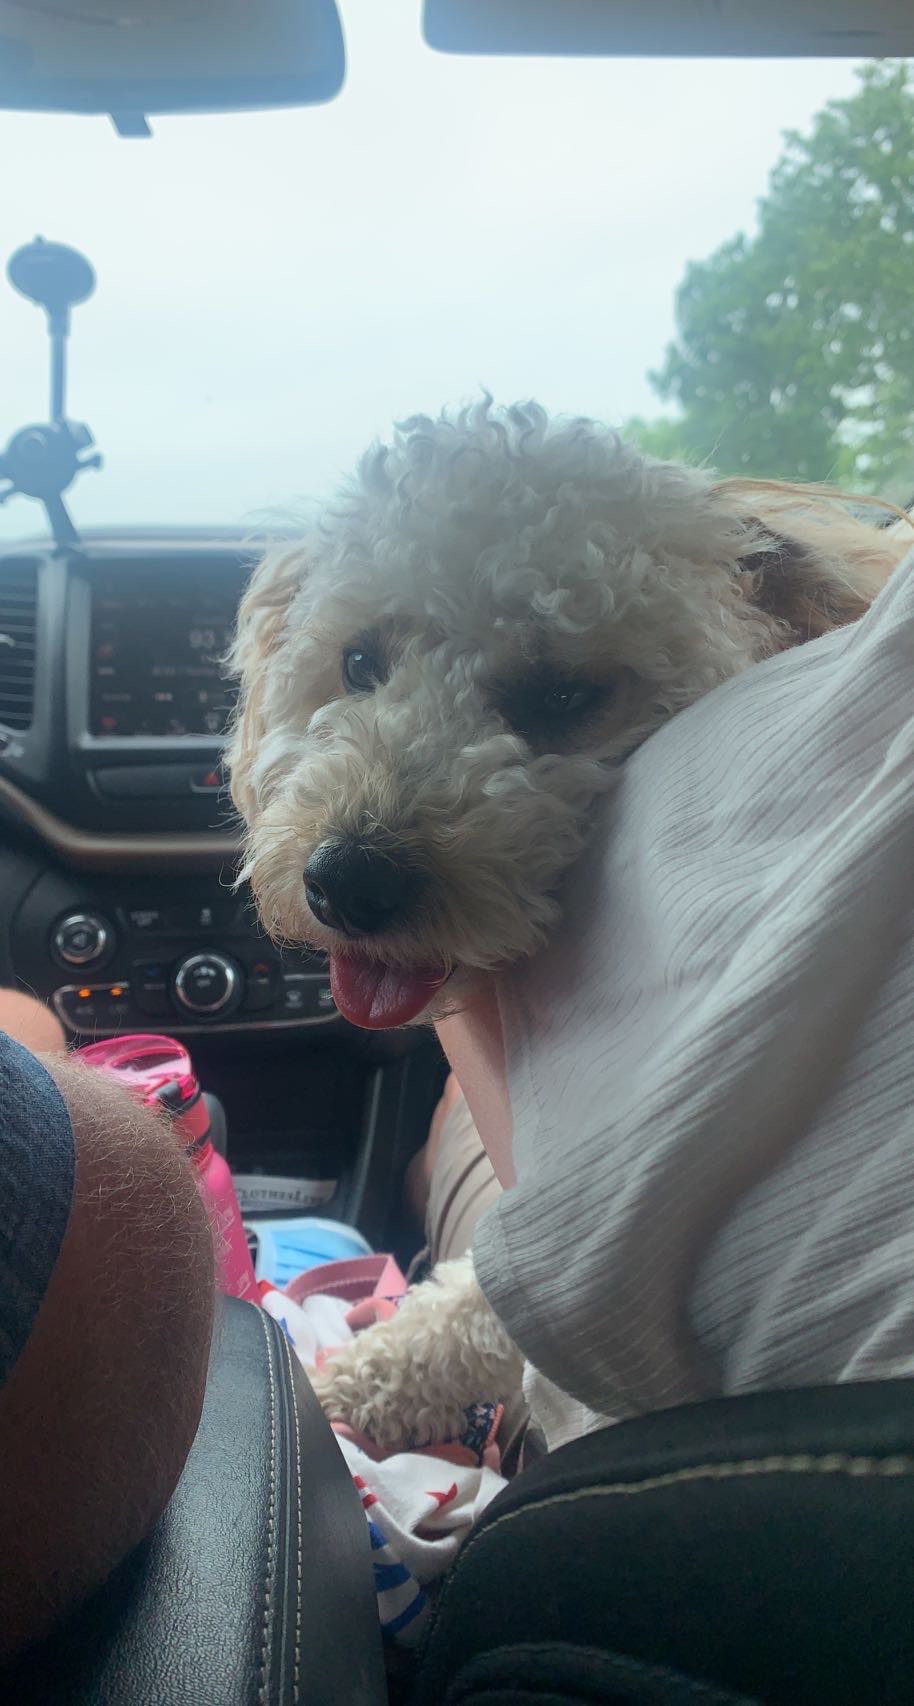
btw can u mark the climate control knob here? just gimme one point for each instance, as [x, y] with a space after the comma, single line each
[82, 939]
[208, 985]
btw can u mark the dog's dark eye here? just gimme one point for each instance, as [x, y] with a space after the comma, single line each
[544, 710]
[568, 699]
[362, 669]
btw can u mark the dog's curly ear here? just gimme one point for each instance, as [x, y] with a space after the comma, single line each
[810, 565]
[261, 618]
[263, 608]
[804, 593]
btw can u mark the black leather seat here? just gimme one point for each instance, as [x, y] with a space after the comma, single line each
[745, 1551]
[759, 1549]
[255, 1588]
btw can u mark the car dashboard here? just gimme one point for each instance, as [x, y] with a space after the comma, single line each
[118, 855]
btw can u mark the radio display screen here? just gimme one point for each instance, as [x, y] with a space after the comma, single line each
[157, 644]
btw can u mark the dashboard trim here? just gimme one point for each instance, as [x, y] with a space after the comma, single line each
[201, 850]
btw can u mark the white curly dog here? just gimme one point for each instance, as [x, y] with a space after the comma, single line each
[436, 686]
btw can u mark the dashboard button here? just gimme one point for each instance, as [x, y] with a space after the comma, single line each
[94, 1007]
[207, 781]
[77, 1008]
[208, 985]
[149, 987]
[262, 986]
[112, 1006]
[147, 918]
[202, 915]
[82, 939]
[306, 997]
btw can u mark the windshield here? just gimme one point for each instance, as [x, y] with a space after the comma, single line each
[276, 289]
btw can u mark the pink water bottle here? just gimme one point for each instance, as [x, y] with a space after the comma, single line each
[158, 1071]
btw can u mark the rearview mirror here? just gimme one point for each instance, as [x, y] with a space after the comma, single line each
[133, 58]
[670, 28]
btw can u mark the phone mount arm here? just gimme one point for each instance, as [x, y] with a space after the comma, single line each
[42, 461]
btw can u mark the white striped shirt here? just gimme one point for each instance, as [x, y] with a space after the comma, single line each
[711, 1068]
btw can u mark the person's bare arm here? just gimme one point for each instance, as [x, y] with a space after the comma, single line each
[31, 1022]
[101, 1407]
[473, 1043]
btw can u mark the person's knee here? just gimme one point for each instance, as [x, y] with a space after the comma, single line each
[100, 1410]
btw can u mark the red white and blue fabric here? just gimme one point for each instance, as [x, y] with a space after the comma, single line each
[419, 1505]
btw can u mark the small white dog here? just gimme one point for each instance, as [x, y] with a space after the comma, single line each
[436, 686]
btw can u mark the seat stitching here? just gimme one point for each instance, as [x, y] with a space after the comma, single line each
[296, 1667]
[805, 1463]
[266, 1626]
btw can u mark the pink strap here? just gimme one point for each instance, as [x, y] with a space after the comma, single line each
[357, 1280]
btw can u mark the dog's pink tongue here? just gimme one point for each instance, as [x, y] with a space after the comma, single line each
[377, 996]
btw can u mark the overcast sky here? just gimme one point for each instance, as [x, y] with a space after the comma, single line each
[274, 290]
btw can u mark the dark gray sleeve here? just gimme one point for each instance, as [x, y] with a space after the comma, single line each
[37, 1169]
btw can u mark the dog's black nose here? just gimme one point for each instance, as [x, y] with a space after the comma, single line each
[354, 888]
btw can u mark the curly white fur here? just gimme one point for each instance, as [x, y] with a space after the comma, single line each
[487, 556]
[408, 1381]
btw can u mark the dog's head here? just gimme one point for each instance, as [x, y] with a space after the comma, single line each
[436, 685]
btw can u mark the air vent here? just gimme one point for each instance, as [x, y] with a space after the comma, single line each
[18, 599]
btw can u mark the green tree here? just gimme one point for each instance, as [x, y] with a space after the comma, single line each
[663, 437]
[795, 349]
